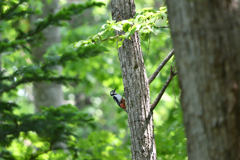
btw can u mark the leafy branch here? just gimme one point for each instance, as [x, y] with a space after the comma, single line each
[143, 22]
[12, 10]
[24, 38]
[24, 80]
[44, 72]
[63, 14]
[61, 121]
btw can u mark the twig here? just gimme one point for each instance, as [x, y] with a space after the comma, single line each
[110, 38]
[157, 27]
[153, 76]
[11, 10]
[25, 80]
[162, 26]
[154, 104]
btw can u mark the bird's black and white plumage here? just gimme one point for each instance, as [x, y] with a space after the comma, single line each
[118, 99]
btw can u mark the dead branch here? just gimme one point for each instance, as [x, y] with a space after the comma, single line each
[162, 26]
[153, 76]
[154, 104]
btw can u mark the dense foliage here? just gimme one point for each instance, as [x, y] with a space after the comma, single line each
[94, 128]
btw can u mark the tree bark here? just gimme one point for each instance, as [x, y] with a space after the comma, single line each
[136, 88]
[47, 94]
[206, 38]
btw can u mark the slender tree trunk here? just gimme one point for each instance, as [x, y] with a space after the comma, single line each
[47, 94]
[206, 38]
[136, 87]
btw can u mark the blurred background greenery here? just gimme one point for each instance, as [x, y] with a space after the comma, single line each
[107, 136]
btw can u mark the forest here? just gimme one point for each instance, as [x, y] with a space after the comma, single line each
[119, 79]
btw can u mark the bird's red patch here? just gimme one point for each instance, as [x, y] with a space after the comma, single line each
[122, 104]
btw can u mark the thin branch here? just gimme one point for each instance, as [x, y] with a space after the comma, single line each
[25, 80]
[153, 76]
[162, 26]
[11, 9]
[157, 27]
[154, 104]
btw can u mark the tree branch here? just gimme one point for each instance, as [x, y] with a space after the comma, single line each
[154, 104]
[10, 10]
[162, 26]
[153, 76]
[60, 79]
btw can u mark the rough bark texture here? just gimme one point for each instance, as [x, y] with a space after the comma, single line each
[47, 94]
[206, 38]
[136, 89]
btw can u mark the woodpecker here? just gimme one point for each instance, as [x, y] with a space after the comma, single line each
[118, 99]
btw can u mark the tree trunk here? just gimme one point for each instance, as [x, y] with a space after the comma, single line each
[206, 38]
[47, 94]
[136, 88]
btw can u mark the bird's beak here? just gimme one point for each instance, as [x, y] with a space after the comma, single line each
[115, 89]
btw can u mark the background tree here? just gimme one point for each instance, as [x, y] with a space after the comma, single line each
[47, 94]
[206, 40]
[33, 136]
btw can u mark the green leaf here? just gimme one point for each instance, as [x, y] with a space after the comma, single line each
[149, 10]
[131, 31]
[126, 27]
[120, 43]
